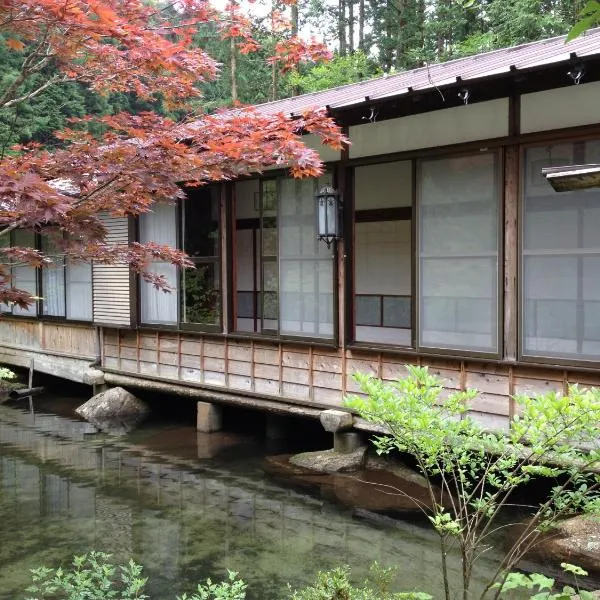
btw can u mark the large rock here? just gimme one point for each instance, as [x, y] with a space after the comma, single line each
[397, 489]
[575, 540]
[329, 461]
[114, 411]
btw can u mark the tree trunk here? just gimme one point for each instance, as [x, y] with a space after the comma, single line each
[342, 26]
[295, 19]
[351, 26]
[361, 25]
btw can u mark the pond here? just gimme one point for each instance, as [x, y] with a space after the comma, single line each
[187, 506]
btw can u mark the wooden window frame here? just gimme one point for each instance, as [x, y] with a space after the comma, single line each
[578, 135]
[272, 335]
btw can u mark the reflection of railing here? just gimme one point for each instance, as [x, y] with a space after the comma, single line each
[383, 310]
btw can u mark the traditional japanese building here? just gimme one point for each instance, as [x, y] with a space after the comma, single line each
[454, 251]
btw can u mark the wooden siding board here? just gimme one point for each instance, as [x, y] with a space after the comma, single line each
[111, 283]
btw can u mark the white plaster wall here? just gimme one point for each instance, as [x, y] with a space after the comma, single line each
[565, 107]
[383, 185]
[383, 261]
[484, 120]
[244, 199]
[326, 153]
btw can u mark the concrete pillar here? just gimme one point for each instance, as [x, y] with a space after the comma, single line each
[209, 417]
[346, 442]
[339, 422]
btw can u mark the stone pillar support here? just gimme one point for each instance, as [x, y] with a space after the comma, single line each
[209, 417]
[339, 422]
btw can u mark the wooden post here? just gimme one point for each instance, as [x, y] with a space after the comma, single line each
[511, 252]
[30, 383]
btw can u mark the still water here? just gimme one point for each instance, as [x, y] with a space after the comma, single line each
[187, 506]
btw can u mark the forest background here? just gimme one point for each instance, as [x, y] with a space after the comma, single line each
[370, 37]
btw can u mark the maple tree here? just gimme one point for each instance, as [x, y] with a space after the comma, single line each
[130, 46]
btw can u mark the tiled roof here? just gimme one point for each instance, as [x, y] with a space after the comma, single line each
[496, 62]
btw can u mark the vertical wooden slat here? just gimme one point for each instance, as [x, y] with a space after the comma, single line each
[511, 252]
[202, 364]
[178, 355]
[311, 387]
[226, 361]
[157, 338]
[511, 392]
[119, 347]
[280, 360]
[137, 350]
[252, 367]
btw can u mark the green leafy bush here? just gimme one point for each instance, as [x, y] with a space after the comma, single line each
[91, 577]
[472, 473]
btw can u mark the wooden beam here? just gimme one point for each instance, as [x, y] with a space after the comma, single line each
[511, 251]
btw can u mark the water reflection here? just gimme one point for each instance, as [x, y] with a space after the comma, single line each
[186, 506]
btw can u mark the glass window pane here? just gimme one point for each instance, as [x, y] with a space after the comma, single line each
[368, 310]
[561, 259]
[158, 306]
[201, 222]
[383, 254]
[305, 265]
[24, 276]
[201, 295]
[458, 253]
[79, 291]
[53, 281]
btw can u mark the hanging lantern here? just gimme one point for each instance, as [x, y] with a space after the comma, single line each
[329, 210]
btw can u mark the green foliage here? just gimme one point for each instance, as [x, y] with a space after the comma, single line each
[542, 587]
[231, 589]
[339, 71]
[588, 17]
[476, 471]
[91, 577]
[335, 585]
[7, 374]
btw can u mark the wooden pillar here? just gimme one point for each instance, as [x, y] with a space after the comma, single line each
[511, 251]
[344, 249]
[226, 260]
[512, 178]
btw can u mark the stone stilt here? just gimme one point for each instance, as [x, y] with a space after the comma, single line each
[346, 442]
[209, 417]
[339, 423]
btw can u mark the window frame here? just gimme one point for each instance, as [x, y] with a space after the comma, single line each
[530, 358]
[350, 250]
[499, 185]
[218, 260]
[270, 334]
[39, 304]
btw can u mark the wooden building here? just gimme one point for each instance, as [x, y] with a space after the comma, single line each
[456, 253]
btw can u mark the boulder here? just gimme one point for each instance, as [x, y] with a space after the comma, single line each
[329, 461]
[575, 540]
[114, 411]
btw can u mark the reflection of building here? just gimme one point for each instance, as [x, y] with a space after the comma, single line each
[61, 495]
[457, 253]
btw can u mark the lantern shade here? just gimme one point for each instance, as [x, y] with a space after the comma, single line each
[328, 215]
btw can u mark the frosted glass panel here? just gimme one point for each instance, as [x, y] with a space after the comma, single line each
[53, 281]
[24, 277]
[561, 259]
[305, 264]
[458, 253]
[159, 226]
[79, 291]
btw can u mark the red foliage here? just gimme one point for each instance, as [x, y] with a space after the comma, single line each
[127, 45]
